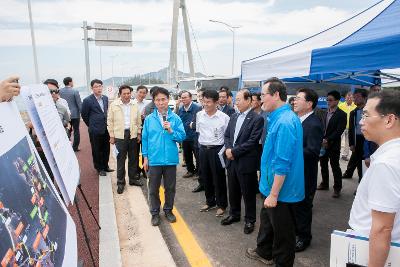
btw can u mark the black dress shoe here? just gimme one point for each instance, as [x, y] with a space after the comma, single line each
[120, 189]
[229, 220]
[199, 188]
[102, 173]
[135, 182]
[322, 187]
[301, 245]
[248, 228]
[336, 194]
[170, 216]
[109, 170]
[155, 219]
[346, 176]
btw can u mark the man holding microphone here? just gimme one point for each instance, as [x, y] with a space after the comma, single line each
[162, 131]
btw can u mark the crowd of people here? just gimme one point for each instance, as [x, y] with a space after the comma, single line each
[260, 144]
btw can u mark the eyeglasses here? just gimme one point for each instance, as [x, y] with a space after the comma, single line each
[54, 91]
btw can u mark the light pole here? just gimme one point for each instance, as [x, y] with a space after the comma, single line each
[35, 61]
[232, 29]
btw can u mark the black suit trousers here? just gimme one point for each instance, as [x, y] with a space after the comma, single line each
[303, 214]
[77, 136]
[242, 185]
[333, 157]
[213, 176]
[188, 152]
[356, 157]
[100, 144]
[277, 238]
[126, 147]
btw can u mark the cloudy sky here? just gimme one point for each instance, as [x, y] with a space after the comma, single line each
[265, 25]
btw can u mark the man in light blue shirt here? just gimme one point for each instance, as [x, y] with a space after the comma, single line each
[282, 178]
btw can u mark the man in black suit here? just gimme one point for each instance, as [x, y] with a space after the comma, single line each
[356, 138]
[94, 114]
[305, 102]
[241, 142]
[335, 122]
[223, 101]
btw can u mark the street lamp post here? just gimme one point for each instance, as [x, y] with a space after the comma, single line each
[35, 61]
[232, 29]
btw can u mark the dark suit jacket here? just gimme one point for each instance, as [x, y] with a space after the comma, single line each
[352, 128]
[228, 110]
[312, 139]
[335, 129]
[74, 101]
[245, 150]
[93, 116]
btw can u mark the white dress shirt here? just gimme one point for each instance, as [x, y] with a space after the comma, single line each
[127, 115]
[305, 116]
[379, 190]
[239, 124]
[211, 129]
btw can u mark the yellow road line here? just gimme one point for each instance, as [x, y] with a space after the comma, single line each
[194, 253]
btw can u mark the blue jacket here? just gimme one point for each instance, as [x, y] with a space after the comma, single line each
[187, 118]
[283, 155]
[159, 146]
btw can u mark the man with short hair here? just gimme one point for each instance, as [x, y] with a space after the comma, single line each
[211, 124]
[149, 108]
[356, 138]
[52, 84]
[186, 112]
[304, 104]
[94, 114]
[335, 123]
[376, 207]
[60, 105]
[141, 101]
[223, 101]
[347, 106]
[124, 124]
[73, 99]
[282, 179]
[162, 131]
[241, 142]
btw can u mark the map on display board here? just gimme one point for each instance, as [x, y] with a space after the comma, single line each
[53, 139]
[35, 226]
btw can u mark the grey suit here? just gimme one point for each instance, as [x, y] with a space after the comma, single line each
[75, 105]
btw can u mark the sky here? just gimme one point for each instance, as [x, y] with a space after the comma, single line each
[265, 25]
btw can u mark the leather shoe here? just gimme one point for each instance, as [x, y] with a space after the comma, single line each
[188, 175]
[248, 228]
[199, 188]
[301, 245]
[102, 173]
[109, 170]
[336, 194]
[229, 220]
[135, 182]
[170, 216]
[120, 189]
[322, 187]
[346, 176]
[155, 219]
[252, 254]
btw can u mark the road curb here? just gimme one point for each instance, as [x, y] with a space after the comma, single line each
[108, 240]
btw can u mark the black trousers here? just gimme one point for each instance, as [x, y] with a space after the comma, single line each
[100, 144]
[303, 215]
[242, 184]
[276, 238]
[77, 135]
[197, 152]
[356, 158]
[213, 176]
[126, 147]
[333, 157]
[188, 152]
[168, 175]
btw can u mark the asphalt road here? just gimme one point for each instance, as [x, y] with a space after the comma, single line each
[226, 245]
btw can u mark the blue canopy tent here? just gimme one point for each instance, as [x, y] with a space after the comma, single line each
[358, 51]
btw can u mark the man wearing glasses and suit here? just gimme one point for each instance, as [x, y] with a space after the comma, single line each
[94, 114]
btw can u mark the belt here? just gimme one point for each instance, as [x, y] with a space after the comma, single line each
[210, 146]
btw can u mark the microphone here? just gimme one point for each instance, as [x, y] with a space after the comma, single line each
[164, 117]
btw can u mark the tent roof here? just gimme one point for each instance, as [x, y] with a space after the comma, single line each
[356, 48]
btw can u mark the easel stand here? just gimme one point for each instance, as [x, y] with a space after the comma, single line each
[81, 221]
